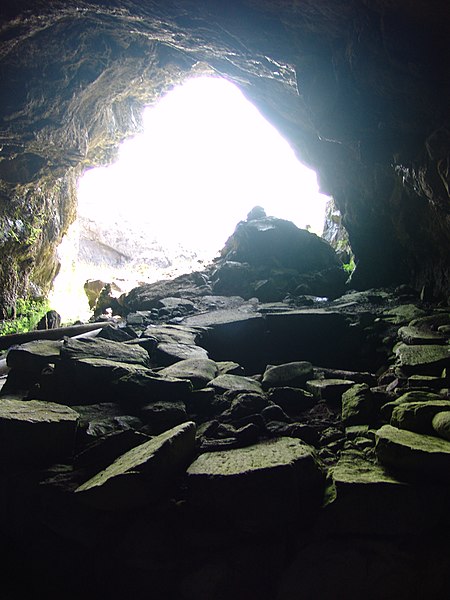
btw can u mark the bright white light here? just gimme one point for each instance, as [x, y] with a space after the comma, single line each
[206, 158]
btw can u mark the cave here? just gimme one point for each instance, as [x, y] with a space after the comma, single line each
[269, 426]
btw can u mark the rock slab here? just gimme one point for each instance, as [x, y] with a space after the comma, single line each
[266, 484]
[142, 475]
[34, 433]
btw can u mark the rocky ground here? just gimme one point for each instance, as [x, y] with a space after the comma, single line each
[221, 446]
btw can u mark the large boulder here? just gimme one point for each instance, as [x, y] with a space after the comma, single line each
[35, 433]
[142, 475]
[264, 485]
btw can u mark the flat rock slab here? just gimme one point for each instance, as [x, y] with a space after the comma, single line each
[403, 314]
[224, 317]
[169, 353]
[293, 374]
[142, 475]
[371, 501]
[34, 356]
[169, 334]
[418, 416]
[329, 389]
[35, 433]
[428, 359]
[420, 456]
[199, 371]
[415, 336]
[236, 383]
[139, 389]
[266, 484]
[107, 349]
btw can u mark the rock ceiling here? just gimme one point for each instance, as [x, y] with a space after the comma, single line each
[358, 87]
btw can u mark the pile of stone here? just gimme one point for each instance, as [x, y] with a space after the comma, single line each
[232, 421]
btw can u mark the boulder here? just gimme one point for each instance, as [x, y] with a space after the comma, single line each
[139, 389]
[415, 336]
[35, 433]
[371, 501]
[236, 383]
[169, 353]
[357, 405]
[418, 416]
[422, 359]
[441, 424]
[293, 374]
[199, 371]
[273, 483]
[162, 415]
[142, 475]
[100, 348]
[329, 389]
[106, 449]
[292, 400]
[98, 420]
[33, 356]
[421, 457]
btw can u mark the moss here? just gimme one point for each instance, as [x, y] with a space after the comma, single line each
[27, 313]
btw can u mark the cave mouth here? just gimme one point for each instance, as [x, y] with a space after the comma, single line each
[174, 195]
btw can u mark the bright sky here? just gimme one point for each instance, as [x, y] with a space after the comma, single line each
[206, 157]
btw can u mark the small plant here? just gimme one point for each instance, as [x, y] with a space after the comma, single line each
[349, 267]
[28, 314]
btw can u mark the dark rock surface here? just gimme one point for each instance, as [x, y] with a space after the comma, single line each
[359, 90]
[216, 457]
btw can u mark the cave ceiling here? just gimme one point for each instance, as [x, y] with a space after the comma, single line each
[360, 89]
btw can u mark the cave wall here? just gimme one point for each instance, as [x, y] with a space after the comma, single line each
[359, 88]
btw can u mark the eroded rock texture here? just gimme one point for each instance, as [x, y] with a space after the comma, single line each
[358, 88]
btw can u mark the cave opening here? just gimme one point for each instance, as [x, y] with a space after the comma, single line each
[174, 195]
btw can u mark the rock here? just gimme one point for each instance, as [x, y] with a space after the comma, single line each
[293, 374]
[273, 483]
[139, 389]
[51, 320]
[148, 296]
[117, 334]
[205, 403]
[236, 383]
[247, 404]
[100, 348]
[410, 396]
[228, 367]
[329, 389]
[237, 334]
[34, 356]
[414, 455]
[98, 420]
[441, 424]
[306, 433]
[370, 501]
[162, 415]
[276, 242]
[142, 475]
[402, 314]
[357, 405]
[415, 336]
[182, 304]
[423, 359]
[173, 334]
[199, 371]
[105, 450]
[35, 433]
[292, 400]
[418, 416]
[232, 277]
[273, 412]
[322, 336]
[167, 354]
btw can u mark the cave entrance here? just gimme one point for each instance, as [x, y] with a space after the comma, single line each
[176, 192]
